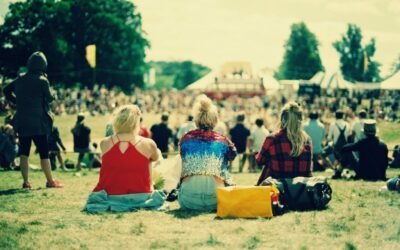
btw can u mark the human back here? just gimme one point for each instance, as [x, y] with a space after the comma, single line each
[126, 162]
[125, 175]
[286, 153]
[126, 156]
[205, 158]
[32, 98]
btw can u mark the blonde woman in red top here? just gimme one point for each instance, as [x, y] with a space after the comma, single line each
[125, 181]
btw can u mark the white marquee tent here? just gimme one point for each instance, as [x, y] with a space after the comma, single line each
[336, 81]
[392, 83]
[203, 82]
[269, 82]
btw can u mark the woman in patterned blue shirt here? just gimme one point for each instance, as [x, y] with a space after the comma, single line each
[205, 156]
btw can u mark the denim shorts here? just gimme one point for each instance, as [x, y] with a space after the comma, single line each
[198, 193]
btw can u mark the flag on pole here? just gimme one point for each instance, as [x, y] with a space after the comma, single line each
[91, 55]
[365, 62]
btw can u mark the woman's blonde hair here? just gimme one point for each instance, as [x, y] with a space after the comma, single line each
[205, 113]
[126, 119]
[291, 120]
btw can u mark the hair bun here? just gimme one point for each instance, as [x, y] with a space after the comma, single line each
[205, 105]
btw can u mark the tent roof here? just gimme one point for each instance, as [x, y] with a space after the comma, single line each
[269, 82]
[203, 82]
[317, 78]
[392, 83]
[336, 81]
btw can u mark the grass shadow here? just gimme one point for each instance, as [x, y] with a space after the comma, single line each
[187, 214]
[13, 191]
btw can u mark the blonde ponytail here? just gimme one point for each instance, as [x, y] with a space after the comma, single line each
[291, 119]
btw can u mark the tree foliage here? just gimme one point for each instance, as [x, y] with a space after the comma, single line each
[62, 29]
[396, 65]
[356, 61]
[178, 74]
[301, 59]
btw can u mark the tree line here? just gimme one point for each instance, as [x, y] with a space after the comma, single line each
[63, 28]
[302, 60]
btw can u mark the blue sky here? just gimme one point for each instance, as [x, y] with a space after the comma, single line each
[214, 31]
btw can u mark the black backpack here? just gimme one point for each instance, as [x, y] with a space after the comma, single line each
[302, 193]
[341, 141]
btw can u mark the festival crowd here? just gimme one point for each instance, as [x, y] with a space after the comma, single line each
[271, 133]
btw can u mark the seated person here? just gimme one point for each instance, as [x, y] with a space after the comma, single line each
[286, 153]
[8, 146]
[373, 154]
[125, 181]
[205, 156]
[394, 184]
[94, 157]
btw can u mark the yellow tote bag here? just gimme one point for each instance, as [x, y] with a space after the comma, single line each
[245, 201]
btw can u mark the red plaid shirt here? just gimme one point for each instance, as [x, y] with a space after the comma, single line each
[276, 159]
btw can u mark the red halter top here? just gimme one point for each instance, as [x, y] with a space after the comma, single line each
[124, 173]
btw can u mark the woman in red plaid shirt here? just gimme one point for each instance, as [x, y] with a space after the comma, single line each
[286, 153]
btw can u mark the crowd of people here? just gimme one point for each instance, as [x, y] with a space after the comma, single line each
[216, 132]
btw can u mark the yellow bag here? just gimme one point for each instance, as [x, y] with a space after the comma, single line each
[245, 201]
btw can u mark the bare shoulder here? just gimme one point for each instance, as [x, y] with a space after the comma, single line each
[147, 141]
[106, 144]
[147, 146]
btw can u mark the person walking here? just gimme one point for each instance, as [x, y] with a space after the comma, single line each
[81, 134]
[161, 134]
[255, 143]
[33, 120]
[338, 134]
[186, 127]
[55, 143]
[239, 134]
[316, 131]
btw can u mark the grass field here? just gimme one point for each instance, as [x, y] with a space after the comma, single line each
[360, 216]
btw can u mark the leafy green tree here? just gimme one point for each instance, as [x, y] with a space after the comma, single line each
[301, 59]
[356, 61]
[62, 30]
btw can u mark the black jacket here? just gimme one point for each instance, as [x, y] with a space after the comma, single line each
[239, 135]
[31, 94]
[373, 158]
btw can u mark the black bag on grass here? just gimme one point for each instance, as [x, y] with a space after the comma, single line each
[302, 193]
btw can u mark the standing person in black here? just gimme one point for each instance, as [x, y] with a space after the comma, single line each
[81, 135]
[55, 143]
[239, 134]
[161, 134]
[33, 120]
[373, 154]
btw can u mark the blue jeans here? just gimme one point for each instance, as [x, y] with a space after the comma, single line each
[198, 193]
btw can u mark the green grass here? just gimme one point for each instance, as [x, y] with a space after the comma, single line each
[358, 217]
[44, 218]
[389, 133]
